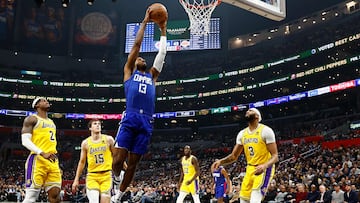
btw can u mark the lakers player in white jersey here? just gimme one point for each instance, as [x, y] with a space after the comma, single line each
[96, 150]
[258, 143]
[38, 135]
[189, 177]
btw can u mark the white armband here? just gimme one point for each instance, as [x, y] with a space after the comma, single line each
[26, 142]
[160, 56]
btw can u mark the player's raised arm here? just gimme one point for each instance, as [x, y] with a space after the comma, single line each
[134, 53]
[160, 56]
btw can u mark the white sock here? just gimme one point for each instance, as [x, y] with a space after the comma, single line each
[244, 201]
[256, 196]
[117, 179]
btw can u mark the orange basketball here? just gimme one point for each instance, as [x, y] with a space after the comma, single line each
[158, 13]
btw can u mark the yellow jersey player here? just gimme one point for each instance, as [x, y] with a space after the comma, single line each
[258, 143]
[97, 151]
[38, 135]
[189, 177]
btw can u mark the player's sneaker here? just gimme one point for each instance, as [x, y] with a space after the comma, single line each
[116, 198]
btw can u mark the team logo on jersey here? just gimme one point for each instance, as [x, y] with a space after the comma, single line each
[97, 149]
[48, 125]
[250, 140]
[142, 79]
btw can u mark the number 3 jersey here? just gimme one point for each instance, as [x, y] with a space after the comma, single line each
[255, 142]
[99, 157]
[44, 135]
[140, 93]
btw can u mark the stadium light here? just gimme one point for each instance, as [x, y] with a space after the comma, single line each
[65, 3]
[90, 2]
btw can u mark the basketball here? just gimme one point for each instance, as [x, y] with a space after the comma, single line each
[158, 13]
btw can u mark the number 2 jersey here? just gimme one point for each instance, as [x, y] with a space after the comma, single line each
[255, 142]
[140, 93]
[99, 156]
[44, 135]
[188, 168]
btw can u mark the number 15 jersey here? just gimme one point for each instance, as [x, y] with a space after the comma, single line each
[99, 155]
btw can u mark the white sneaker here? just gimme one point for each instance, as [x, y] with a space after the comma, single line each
[116, 198]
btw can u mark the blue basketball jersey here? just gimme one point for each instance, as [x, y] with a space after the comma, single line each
[219, 178]
[140, 93]
[220, 183]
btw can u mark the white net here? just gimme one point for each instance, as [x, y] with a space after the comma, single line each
[199, 12]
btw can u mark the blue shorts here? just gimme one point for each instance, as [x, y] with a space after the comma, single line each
[134, 132]
[220, 191]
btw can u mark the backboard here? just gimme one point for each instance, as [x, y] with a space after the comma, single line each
[272, 9]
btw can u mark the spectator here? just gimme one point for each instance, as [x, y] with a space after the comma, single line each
[350, 196]
[325, 195]
[301, 193]
[280, 197]
[313, 195]
[270, 194]
[291, 195]
[149, 195]
[337, 196]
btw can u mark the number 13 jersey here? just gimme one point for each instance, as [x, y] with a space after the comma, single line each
[140, 93]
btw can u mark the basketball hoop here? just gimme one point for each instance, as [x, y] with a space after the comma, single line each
[199, 12]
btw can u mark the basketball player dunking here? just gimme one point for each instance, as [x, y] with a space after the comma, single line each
[135, 129]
